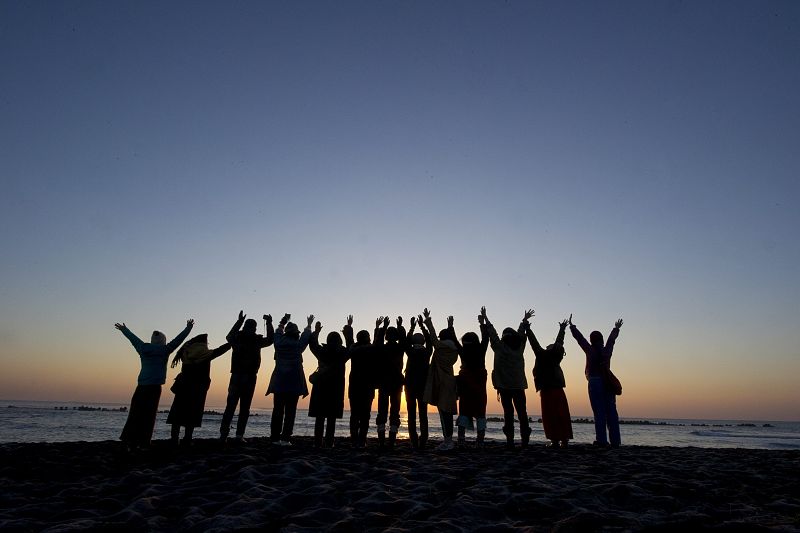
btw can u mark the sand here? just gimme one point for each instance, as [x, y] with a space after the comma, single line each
[70, 486]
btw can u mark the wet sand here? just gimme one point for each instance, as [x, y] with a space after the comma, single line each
[97, 485]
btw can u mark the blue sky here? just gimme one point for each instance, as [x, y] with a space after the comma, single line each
[161, 161]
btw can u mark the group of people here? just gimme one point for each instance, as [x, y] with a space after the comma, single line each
[376, 364]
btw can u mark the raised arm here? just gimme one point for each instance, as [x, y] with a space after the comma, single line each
[236, 327]
[562, 326]
[534, 342]
[380, 330]
[577, 334]
[270, 338]
[313, 342]
[134, 340]
[494, 339]
[347, 330]
[174, 343]
[429, 325]
[612, 337]
[305, 337]
[216, 352]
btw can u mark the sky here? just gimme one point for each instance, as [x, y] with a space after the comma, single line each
[636, 160]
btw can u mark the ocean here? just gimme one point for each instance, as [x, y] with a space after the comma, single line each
[27, 421]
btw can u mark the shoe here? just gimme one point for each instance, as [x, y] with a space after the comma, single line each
[446, 446]
[240, 439]
[283, 443]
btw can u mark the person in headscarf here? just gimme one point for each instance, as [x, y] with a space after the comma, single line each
[327, 387]
[508, 377]
[154, 355]
[191, 385]
[601, 397]
[440, 387]
[245, 362]
[288, 380]
[549, 381]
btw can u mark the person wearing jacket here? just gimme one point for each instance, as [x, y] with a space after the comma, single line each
[191, 385]
[153, 355]
[327, 388]
[245, 362]
[508, 377]
[549, 381]
[418, 351]
[390, 378]
[361, 385]
[602, 399]
[440, 387]
[471, 381]
[288, 380]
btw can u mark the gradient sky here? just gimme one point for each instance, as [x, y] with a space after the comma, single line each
[161, 161]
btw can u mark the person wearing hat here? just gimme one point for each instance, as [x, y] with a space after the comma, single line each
[245, 362]
[288, 380]
[508, 376]
[153, 355]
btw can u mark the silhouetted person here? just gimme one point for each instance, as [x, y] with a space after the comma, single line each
[440, 387]
[288, 381]
[327, 390]
[361, 385]
[245, 362]
[549, 381]
[418, 349]
[191, 385]
[508, 377]
[138, 430]
[601, 397]
[471, 382]
[390, 378]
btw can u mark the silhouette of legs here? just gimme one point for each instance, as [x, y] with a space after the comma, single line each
[240, 391]
[512, 399]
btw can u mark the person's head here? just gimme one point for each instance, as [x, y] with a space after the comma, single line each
[362, 337]
[334, 339]
[158, 338]
[418, 338]
[557, 349]
[292, 331]
[250, 326]
[470, 338]
[446, 335]
[596, 339]
[511, 338]
[391, 334]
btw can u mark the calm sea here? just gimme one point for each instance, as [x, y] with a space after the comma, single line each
[57, 422]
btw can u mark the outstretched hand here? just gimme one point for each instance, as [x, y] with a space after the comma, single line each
[286, 318]
[413, 321]
[386, 321]
[318, 327]
[175, 361]
[420, 321]
[426, 313]
[120, 326]
[483, 314]
[268, 319]
[569, 320]
[399, 322]
[310, 320]
[450, 321]
[528, 315]
[189, 323]
[618, 323]
[563, 324]
[241, 315]
[350, 320]
[378, 321]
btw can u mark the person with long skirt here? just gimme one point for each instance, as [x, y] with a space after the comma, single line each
[418, 351]
[508, 377]
[440, 387]
[601, 396]
[327, 387]
[471, 381]
[361, 385]
[245, 362]
[288, 380]
[191, 385]
[154, 356]
[548, 378]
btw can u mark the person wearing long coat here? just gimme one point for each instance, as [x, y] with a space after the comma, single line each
[508, 377]
[471, 381]
[418, 351]
[440, 387]
[154, 356]
[327, 387]
[191, 385]
[288, 380]
[548, 378]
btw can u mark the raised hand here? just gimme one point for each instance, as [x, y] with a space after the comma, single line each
[175, 361]
[189, 322]
[241, 315]
[413, 321]
[569, 320]
[563, 324]
[450, 321]
[286, 318]
[399, 322]
[528, 315]
[378, 321]
[120, 326]
[310, 320]
[618, 323]
[420, 321]
[426, 313]
[480, 319]
[350, 320]
[483, 314]
[386, 321]
[268, 319]
[318, 327]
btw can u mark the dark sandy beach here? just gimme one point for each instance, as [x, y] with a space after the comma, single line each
[78, 486]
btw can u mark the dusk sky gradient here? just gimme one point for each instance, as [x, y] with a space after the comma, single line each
[165, 161]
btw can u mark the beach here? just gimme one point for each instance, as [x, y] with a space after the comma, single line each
[98, 485]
